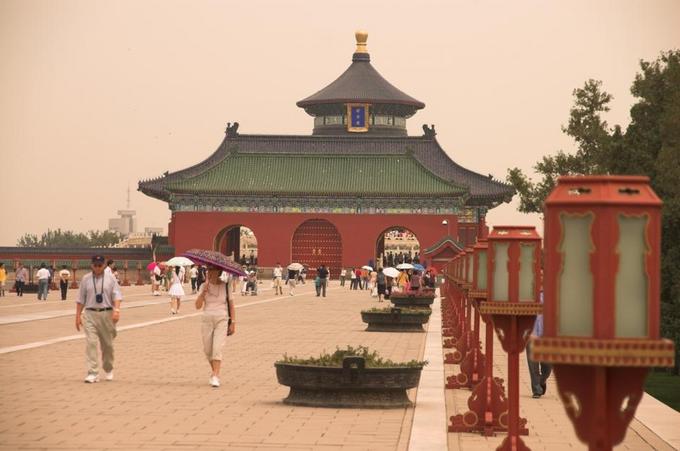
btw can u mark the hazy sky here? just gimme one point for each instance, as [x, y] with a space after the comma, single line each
[96, 95]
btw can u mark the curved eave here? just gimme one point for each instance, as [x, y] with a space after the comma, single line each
[447, 240]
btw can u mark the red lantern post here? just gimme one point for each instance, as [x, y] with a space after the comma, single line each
[601, 313]
[139, 274]
[487, 402]
[461, 306]
[472, 364]
[513, 281]
[126, 282]
[74, 268]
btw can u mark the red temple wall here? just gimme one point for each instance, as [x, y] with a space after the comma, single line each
[274, 231]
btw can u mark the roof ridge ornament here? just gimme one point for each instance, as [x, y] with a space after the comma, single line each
[429, 132]
[361, 53]
[232, 130]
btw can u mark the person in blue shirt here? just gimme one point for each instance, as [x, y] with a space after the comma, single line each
[538, 371]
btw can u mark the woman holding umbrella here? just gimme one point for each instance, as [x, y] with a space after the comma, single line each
[218, 320]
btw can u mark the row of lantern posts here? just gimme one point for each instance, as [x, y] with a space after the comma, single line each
[601, 288]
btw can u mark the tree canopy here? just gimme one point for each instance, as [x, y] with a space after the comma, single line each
[649, 146]
[68, 238]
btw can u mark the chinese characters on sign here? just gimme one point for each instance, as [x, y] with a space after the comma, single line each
[358, 117]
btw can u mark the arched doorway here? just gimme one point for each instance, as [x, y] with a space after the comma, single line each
[397, 245]
[238, 242]
[317, 242]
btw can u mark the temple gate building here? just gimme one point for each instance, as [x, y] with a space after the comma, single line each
[329, 197]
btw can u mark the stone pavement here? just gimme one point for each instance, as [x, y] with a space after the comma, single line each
[161, 398]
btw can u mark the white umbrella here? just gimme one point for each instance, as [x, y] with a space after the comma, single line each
[405, 266]
[391, 272]
[367, 268]
[295, 267]
[179, 261]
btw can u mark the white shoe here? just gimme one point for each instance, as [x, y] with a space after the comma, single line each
[91, 379]
[108, 376]
[172, 311]
[214, 381]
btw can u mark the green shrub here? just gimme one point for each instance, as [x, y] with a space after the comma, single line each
[373, 360]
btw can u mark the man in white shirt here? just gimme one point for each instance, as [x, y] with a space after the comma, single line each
[278, 279]
[98, 302]
[193, 275]
[43, 276]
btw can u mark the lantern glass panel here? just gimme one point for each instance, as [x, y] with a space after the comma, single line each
[527, 263]
[468, 276]
[631, 279]
[481, 271]
[575, 282]
[500, 272]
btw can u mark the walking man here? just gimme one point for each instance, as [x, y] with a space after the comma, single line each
[43, 276]
[64, 275]
[539, 372]
[20, 279]
[98, 305]
[193, 275]
[278, 279]
[322, 272]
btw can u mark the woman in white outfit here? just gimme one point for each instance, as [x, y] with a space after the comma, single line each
[218, 320]
[176, 290]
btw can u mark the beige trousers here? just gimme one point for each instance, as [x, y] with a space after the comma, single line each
[214, 331]
[99, 329]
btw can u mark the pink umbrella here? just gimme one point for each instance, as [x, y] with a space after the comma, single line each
[151, 266]
[216, 259]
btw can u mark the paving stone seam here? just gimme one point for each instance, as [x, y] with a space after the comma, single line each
[52, 341]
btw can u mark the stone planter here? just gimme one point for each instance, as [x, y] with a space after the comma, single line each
[413, 299]
[396, 319]
[352, 385]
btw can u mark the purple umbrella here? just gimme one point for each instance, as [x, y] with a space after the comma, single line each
[216, 259]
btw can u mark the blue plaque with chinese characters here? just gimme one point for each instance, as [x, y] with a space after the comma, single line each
[358, 117]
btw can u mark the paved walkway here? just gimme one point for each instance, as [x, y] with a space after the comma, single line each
[161, 398]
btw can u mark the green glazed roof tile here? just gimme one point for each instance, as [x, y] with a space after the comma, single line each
[316, 175]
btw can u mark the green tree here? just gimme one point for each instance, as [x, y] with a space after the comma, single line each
[69, 239]
[650, 146]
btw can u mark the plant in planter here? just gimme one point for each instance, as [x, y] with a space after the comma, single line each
[396, 319]
[421, 298]
[351, 377]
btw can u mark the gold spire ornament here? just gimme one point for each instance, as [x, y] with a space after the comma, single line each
[361, 37]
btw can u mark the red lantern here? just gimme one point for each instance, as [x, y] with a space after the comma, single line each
[513, 293]
[601, 321]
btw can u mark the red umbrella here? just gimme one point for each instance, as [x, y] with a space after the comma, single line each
[216, 259]
[151, 266]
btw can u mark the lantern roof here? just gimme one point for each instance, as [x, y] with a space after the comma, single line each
[513, 232]
[603, 190]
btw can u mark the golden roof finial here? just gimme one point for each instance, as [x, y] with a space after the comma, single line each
[362, 37]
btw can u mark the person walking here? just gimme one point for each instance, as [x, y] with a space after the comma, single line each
[539, 372]
[200, 278]
[343, 275]
[415, 281]
[292, 281]
[402, 281]
[381, 282]
[98, 307]
[218, 320]
[352, 280]
[176, 290]
[155, 280]
[64, 276]
[193, 275]
[3, 279]
[322, 273]
[43, 276]
[20, 279]
[278, 279]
